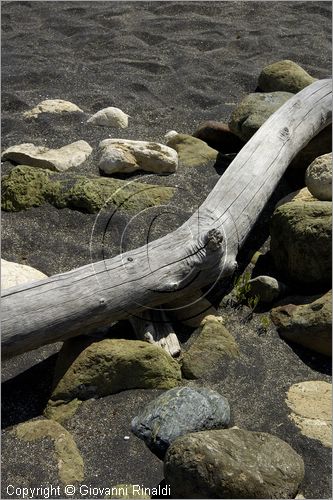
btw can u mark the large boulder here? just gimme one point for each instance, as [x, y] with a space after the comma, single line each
[192, 152]
[25, 187]
[219, 136]
[254, 110]
[177, 412]
[286, 76]
[114, 365]
[301, 238]
[58, 160]
[126, 156]
[311, 405]
[232, 463]
[55, 106]
[309, 325]
[13, 274]
[299, 195]
[211, 343]
[318, 177]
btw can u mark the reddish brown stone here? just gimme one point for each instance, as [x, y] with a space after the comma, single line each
[218, 136]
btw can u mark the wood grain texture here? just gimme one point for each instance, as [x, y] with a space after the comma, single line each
[202, 250]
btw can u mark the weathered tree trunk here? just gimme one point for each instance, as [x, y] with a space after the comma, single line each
[201, 251]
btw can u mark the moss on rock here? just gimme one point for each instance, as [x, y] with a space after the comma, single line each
[25, 187]
[70, 462]
[60, 411]
[113, 365]
[192, 152]
[286, 76]
[213, 342]
[301, 239]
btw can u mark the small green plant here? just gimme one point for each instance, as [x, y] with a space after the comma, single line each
[241, 291]
[264, 324]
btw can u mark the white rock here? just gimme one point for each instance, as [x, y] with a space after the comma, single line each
[110, 117]
[121, 155]
[169, 135]
[13, 274]
[53, 106]
[59, 160]
[318, 177]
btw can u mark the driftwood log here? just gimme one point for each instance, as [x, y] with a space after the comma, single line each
[201, 251]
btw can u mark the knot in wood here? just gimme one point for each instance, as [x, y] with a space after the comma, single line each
[284, 134]
[213, 240]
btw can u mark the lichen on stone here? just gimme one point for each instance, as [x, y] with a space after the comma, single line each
[70, 462]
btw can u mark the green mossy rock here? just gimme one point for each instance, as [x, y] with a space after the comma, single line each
[60, 411]
[301, 239]
[114, 365]
[232, 463]
[286, 76]
[213, 342]
[252, 112]
[70, 462]
[192, 152]
[309, 325]
[25, 187]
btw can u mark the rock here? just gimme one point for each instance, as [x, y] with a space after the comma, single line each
[319, 145]
[309, 324]
[59, 160]
[301, 238]
[232, 463]
[114, 365]
[218, 136]
[13, 274]
[177, 412]
[110, 117]
[126, 156]
[311, 405]
[25, 187]
[52, 106]
[192, 152]
[318, 177]
[254, 110]
[302, 195]
[286, 76]
[70, 463]
[170, 134]
[210, 344]
[267, 288]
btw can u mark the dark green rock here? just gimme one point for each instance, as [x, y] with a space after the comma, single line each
[192, 152]
[286, 76]
[177, 412]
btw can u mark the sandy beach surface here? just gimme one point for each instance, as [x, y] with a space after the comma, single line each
[170, 66]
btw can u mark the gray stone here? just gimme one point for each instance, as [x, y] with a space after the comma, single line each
[301, 239]
[59, 160]
[267, 288]
[121, 155]
[177, 412]
[309, 325]
[254, 110]
[284, 75]
[318, 177]
[232, 463]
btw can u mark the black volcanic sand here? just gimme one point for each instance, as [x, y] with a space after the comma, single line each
[169, 65]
